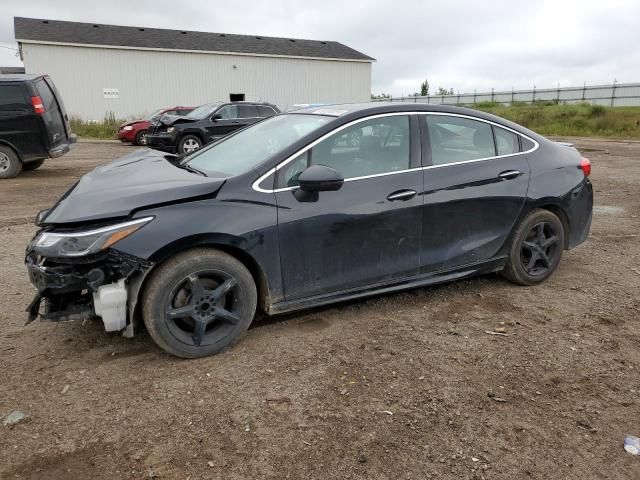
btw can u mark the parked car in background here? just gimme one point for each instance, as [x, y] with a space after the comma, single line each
[205, 124]
[287, 214]
[33, 123]
[135, 131]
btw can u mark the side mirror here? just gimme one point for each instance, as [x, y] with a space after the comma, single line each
[319, 178]
[216, 117]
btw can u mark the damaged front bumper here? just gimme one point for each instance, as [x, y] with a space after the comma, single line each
[104, 285]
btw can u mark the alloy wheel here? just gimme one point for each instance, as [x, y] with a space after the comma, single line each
[539, 249]
[190, 145]
[203, 308]
[5, 163]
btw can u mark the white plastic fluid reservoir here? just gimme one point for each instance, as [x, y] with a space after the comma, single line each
[110, 303]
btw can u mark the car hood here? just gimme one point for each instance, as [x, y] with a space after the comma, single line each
[140, 179]
[132, 122]
[168, 120]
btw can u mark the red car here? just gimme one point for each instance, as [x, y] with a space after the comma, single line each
[135, 131]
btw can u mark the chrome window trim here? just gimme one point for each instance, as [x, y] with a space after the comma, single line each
[256, 184]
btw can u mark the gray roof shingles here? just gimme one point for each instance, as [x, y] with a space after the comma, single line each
[42, 30]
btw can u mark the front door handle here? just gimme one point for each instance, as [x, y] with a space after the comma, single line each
[401, 195]
[509, 174]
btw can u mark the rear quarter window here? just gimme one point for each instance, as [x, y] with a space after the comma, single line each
[506, 141]
[12, 98]
[264, 111]
[526, 144]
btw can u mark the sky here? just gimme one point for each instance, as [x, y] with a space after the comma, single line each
[465, 45]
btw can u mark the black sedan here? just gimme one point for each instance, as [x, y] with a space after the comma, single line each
[290, 213]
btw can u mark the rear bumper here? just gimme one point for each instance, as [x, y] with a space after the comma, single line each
[63, 148]
[579, 212]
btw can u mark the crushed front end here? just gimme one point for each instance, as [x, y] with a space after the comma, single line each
[79, 276]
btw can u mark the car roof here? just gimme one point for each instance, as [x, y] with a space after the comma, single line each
[19, 77]
[352, 111]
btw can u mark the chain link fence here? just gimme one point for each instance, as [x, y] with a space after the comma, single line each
[613, 95]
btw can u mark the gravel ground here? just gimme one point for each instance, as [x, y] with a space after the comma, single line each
[407, 385]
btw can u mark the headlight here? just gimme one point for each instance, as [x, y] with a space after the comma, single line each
[171, 129]
[78, 244]
[128, 128]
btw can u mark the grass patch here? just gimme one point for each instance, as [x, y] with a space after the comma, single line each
[107, 129]
[581, 120]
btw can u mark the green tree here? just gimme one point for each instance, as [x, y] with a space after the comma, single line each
[444, 91]
[424, 88]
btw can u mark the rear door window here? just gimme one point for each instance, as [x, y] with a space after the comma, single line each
[12, 98]
[247, 111]
[459, 139]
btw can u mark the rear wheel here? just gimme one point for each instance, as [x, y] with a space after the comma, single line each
[32, 165]
[536, 248]
[141, 138]
[199, 303]
[10, 164]
[189, 144]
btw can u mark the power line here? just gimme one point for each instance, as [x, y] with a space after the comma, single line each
[9, 48]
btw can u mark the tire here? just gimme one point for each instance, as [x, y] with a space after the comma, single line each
[203, 288]
[189, 144]
[141, 138]
[536, 248]
[10, 164]
[32, 165]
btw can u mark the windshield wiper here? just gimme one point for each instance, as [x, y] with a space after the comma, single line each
[191, 169]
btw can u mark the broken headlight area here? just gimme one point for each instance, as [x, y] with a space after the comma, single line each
[83, 288]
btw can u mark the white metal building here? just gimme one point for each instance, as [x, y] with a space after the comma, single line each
[132, 71]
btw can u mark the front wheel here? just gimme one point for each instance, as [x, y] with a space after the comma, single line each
[536, 248]
[199, 303]
[141, 138]
[189, 144]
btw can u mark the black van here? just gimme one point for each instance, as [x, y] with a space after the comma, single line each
[33, 123]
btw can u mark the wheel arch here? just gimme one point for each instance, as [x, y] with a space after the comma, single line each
[195, 133]
[226, 243]
[554, 207]
[12, 147]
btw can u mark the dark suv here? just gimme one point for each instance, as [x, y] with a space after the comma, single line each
[205, 124]
[33, 123]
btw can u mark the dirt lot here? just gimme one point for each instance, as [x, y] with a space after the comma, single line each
[401, 386]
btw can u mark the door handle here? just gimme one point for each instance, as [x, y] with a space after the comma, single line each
[509, 174]
[401, 195]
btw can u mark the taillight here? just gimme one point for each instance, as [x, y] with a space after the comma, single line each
[585, 166]
[38, 106]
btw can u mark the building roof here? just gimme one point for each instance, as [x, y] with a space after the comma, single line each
[62, 32]
[11, 70]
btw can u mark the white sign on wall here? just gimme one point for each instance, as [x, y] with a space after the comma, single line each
[110, 93]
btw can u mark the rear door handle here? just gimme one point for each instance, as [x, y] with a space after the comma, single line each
[509, 174]
[401, 195]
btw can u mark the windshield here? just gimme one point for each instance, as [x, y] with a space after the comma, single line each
[252, 146]
[202, 111]
[153, 115]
